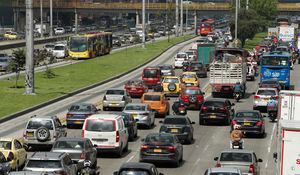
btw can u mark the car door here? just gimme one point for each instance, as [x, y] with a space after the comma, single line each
[179, 146]
[191, 126]
[93, 150]
[61, 131]
[88, 151]
[230, 109]
[20, 152]
[255, 163]
[151, 113]
[133, 124]
[123, 132]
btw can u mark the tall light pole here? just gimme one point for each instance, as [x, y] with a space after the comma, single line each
[236, 20]
[29, 66]
[76, 19]
[42, 27]
[51, 18]
[143, 24]
[186, 16]
[247, 4]
[176, 19]
[195, 22]
[181, 17]
[148, 13]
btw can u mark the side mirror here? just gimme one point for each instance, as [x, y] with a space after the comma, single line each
[264, 116]
[95, 145]
[161, 121]
[216, 158]
[253, 93]
[193, 123]
[115, 172]
[203, 93]
[259, 160]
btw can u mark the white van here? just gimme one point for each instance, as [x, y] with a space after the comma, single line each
[107, 133]
[60, 51]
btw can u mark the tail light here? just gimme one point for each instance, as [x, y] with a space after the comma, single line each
[276, 97]
[256, 97]
[117, 136]
[82, 155]
[251, 168]
[259, 123]
[180, 108]
[234, 122]
[218, 164]
[144, 147]
[200, 98]
[185, 98]
[69, 115]
[203, 108]
[171, 148]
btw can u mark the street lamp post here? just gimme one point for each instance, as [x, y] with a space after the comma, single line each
[176, 19]
[42, 27]
[247, 4]
[51, 18]
[181, 17]
[186, 16]
[143, 24]
[236, 20]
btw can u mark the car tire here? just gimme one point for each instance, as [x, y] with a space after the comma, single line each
[120, 151]
[126, 148]
[262, 135]
[189, 140]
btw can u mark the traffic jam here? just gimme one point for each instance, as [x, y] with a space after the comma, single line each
[206, 86]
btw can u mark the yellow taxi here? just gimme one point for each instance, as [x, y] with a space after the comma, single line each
[10, 35]
[190, 79]
[172, 85]
[14, 150]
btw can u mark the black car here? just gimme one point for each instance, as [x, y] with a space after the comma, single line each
[161, 147]
[270, 84]
[251, 121]
[131, 125]
[217, 110]
[136, 168]
[116, 41]
[4, 164]
[181, 126]
[77, 113]
[199, 68]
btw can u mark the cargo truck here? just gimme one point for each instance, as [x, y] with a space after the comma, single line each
[206, 53]
[289, 105]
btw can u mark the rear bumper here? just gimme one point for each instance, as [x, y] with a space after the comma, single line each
[213, 116]
[183, 136]
[119, 104]
[107, 149]
[157, 157]
[75, 121]
[136, 93]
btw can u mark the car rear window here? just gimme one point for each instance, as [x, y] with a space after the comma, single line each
[79, 145]
[80, 108]
[135, 83]
[114, 92]
[35, 124]
[175, 121]
[150, 73]
[100, 125]
[192, 91]
[166, 67]
[266, 92]
[59, 48]
[214, 103]
[44, 164]
[6, 145]
[135, 108]
[166, 139]
[3, 60]
[152, 97]
[171, 80]
[247, 114]
[236, 157]
[180, 55]
[134, 172]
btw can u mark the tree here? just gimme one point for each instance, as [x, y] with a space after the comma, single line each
[17, 63]
[264, 8]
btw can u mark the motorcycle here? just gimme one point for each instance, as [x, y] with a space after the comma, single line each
[237, 144]
[237, 96]
[87, 169]
[179, 108]
[272, 112]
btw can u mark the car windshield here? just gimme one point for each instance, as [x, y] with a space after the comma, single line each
[247, 115]
[135, 108]
[150, 73]
[192, 91]
[190, 53]
[49, 46]
[134, 172]
[78, 44]
[171, 80]
[266, 92]
[275, 61]
[3, 60]
[81, 108]
[224, 173]
[175, 121]
[188, 76]
[5, 145]
[214, 103]
[152, 97]
[35, 124]
[59, 48]
[115, 92]
[100, 125]
[236, 157]
[165, 67]
[181, 55]
[79, 145]
[167, 139]
[135, 83]
[44, 164]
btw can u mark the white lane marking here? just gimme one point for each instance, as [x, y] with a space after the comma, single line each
[270, 144]
[130, 158]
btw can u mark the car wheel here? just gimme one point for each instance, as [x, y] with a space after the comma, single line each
[69, 126]
[126, 148]
[202, 122]
[189, 140]
[120, 152]
[262, 135]
[94, 166]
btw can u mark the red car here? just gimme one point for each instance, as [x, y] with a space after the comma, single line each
[136, 88]
[151, 76]
[192, 97]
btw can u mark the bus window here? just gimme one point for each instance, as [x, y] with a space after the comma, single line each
[78, 44]
[275, 61]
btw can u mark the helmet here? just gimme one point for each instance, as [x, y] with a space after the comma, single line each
[237, 127]
[238, 82]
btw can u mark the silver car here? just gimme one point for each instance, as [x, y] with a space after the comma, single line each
[59, 163]
[81, 150]
[142, 113]
[115, 98]
[4, 61]
[244, 160]
[31, 173]
[223, 171]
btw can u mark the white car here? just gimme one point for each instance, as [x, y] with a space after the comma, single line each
[60, 51]
[59, 31]
[180, 57]
[263, 96]
[49, 47]
[107, 133]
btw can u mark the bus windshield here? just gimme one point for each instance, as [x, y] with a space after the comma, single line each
[78, 44]
[275, 61]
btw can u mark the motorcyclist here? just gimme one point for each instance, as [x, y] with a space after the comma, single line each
[175, 107]
[238, 88]
[236, 135]
[272, 105]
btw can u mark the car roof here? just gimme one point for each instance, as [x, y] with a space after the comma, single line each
[60, 45]
[104, 116]
[83, 104]
[240, 111]
[6, 139]
[153, 93]
[46, 155]
[175, 77]
[193, 73]
[266, 88]
[181, 53]
[42, 117]
[119, 89]
[137, 165]
[175, 116]
[224, 169]
[30, 172]
[237, 151]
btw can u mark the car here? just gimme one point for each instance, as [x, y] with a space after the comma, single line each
[49, 47]
[223, 171]
[161, 147]
[31, 173]
[135, 168]
[171, 85]
[116, 41]
[68, 29]
[80, 150]
[272, 83]
[190, 79]
[192, 97]
[59, 31]
[59, 163]
[14, 151]
[167, 70]
[115, 98]
[60, 51]
[263, 96]
[136, 88]
[179, 58]
[192, 55]
[251, 121]
[5, 164]
[43, 131]
[131, 125]
[246, 160]
[216, 109]
[181, 126]
[151, 76]
[11, 35]
[4, 61]
[142, 113]
[198, 68]
[157, 102]
[78, 112]
[107, 133]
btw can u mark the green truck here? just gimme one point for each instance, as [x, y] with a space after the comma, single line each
[206, 53]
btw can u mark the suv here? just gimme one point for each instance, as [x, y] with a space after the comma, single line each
[115, 98]
[216, 110]
[180, 57]
[151, 76]
[157, 101]
[59, 163]
[43, 131]
[262, 97]
[192, 97]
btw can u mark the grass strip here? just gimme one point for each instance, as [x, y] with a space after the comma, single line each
[79, 75]
[250, 44]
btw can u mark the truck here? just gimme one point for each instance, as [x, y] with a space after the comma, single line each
[46, 28]
[228, 68]
[286, 33]
[206, 53]
[287, 155]
[287, 105]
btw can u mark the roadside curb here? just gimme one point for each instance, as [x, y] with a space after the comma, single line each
[41, 105]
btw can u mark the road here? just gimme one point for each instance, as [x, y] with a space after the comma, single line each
[209, 140]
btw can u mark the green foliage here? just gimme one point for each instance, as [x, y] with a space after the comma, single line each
[264, 8]
[17, 63]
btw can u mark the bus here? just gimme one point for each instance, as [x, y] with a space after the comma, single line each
[90, 45]
[276, 65]
[204, 29]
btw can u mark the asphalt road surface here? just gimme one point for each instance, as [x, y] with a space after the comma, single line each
[209, 140]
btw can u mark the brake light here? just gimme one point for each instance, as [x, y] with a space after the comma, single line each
[234, 122]
[203, 108]
[171, 148]
[117, 136]
[256, 97]
[185, 98]
[82, 155]
[276, 97]
[218, 164]
[144, 147]
[200, 98]
[251, 168]
[69, 115]
[259, 123]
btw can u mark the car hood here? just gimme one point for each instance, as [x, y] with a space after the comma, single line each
[135, 112]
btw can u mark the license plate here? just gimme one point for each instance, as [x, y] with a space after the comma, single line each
[157, 150]
[29, 134]
[114, 104]
[78, 122]
[212, 116]
[189, 84]
[174, 130]
[247, 124]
